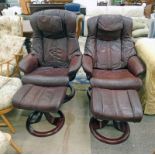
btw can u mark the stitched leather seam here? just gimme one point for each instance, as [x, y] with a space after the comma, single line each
[133, 110]
[24, 96]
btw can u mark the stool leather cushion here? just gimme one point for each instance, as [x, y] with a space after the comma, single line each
[120, 105]
[45, 99]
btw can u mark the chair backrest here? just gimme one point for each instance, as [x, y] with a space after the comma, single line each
[11, 25]
[109, 41]
[54, 37]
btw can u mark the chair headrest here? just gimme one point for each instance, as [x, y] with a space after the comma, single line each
[51, 25]
[110, 22]
[109, 27]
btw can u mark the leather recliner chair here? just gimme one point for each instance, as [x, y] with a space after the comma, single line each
[113, 68]
[52, 64]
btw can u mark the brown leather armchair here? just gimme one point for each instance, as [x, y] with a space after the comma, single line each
[52, 64]
[113, 69]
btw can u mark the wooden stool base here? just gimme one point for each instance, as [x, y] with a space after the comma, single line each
[13, 144]
[6, 122]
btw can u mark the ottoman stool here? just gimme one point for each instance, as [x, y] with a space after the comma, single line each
[120, 106]
[43, 100]
[8, 87]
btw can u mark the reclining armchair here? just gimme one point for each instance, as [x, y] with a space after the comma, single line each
[111, 65]
[52, 64]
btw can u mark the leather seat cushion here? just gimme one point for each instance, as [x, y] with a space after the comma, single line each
[115, 79]
[44, 99]
[121, 105]
[47, 76]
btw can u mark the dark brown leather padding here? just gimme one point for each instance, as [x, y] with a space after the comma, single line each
[120, 105]
[54, 38]
[47, 76]
[112, 68]
[54, 45]
[111, 46]
[53, 62]
[51, 25]
[111, 64]
[109, 27]
[116, 79]
[46, 99]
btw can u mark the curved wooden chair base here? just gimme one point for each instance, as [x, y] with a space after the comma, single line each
[5, 120]
[36, 116]
[13, 144]
[94, 124]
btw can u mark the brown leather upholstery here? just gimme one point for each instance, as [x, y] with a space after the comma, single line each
[47, 76]
[115, 79]
[53, 62]
[120, 105]
[109, 47]
[54, 45]
[111, 65]
[38, 98]
[135, 66]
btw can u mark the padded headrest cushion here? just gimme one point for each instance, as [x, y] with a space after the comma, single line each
[50, 24]
[110, 22]
[109, 27]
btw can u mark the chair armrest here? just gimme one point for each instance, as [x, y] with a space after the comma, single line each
[87, 64]
[74, 66]
[135, 66]
[29, 63]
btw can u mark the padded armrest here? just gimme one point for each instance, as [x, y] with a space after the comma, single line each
[29, 63]
[87, 64]
[135, 66]
[74, 66]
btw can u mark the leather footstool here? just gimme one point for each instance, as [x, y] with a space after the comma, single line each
[120, 106]
[43, 100]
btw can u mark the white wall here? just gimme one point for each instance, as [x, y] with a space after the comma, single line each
[86, 3]
[90, 3]
[13, 2]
